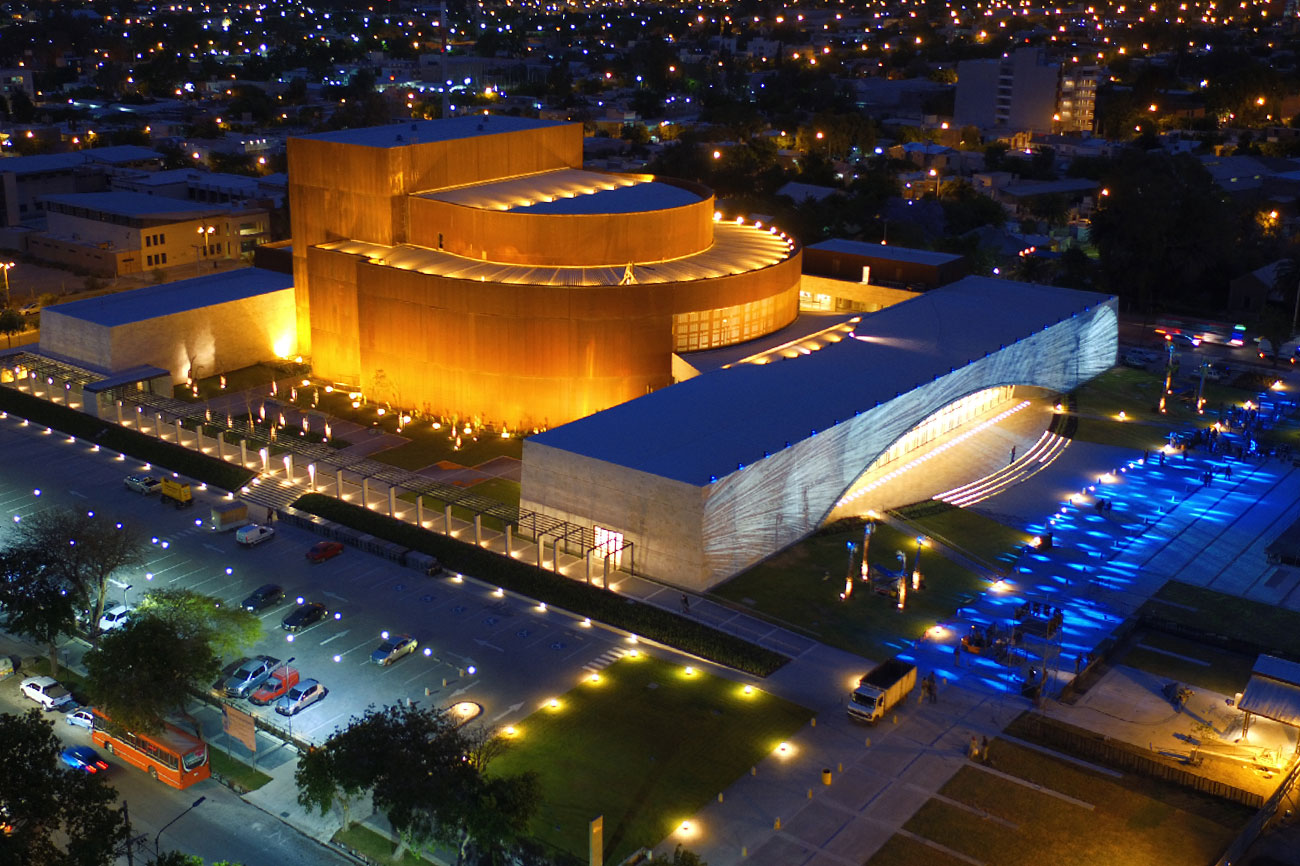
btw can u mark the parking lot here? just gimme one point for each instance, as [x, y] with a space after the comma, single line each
[502, 653]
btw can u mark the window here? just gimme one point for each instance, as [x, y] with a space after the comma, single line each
[164, 258]
[148, 240]
[148, 260]
[162, 238]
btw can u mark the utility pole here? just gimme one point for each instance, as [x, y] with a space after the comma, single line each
[128, 846]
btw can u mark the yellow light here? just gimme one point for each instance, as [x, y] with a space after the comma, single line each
[690, 671]
[511, 731]
[749, 690]
[633, 654]
[1122, 415]
[594, 678]
[553, 703]
[685, 828]
[935, 632]
[784, 749]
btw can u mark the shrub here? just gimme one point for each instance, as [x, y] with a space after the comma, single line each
[580, 598]
[177, 458]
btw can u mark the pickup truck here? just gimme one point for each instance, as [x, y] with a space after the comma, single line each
[46, 691]
[883, 688]
[276, 685]
[250, 674]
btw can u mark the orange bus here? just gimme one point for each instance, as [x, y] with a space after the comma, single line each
[171, 755]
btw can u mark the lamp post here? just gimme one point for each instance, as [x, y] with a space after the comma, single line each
[916, 566]
[201, 248]
[173, 821]
[6, 266]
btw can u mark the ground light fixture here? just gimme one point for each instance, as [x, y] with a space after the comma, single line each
[783, 750]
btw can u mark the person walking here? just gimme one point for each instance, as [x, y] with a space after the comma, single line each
[984, 750]
[973, 751]
[934, 688]
[956, 655]
[686, 604]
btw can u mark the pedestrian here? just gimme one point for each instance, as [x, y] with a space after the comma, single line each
[1013, 456]
[686, 604]
[1162, 458]
[974, 751]
[956, 655]
[1078, 660]
[934, 689]
[984, 750]
[1227, 470]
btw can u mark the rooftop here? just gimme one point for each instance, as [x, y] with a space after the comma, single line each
[138, 204]
[709, 426]
[736, 249]
[426, 131]
[52, 162]
[166, 299]
[887, 253]
[569, 191]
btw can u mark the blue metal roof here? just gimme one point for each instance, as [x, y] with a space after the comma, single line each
[425, 131]
[152, 302]
[48, 162]
[709, 426]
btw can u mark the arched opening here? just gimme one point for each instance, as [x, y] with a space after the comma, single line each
[978, 437]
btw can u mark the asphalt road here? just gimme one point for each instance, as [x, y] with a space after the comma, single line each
[223, 827]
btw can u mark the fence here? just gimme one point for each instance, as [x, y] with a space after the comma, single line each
[1255, 827]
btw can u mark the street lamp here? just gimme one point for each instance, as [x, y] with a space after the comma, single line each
[201, 249]
[6, 266]
[173, 821]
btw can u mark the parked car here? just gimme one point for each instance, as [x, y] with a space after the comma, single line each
[249, 675]
[1213, 374]
[115, 617]
[394, 648]
[276, 686]
[143, 484]
[83, 758]
[1139, 358]
[263, 597]
[46, 691]
[323, 550]
[254, 533]
[304, 616]
[300, 697]
[81, 719]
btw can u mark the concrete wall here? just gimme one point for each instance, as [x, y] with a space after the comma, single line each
[200, 342]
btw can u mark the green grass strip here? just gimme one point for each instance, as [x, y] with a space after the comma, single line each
[236, 771]
[132, 443]
[580, 598]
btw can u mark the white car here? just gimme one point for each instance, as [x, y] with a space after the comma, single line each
[254, 533]
[115, 617]
[80, 719]
[46, 691]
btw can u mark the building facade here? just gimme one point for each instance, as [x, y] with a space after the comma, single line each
[1026, 92]
[469, 267]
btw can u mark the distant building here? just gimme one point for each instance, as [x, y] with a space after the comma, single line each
[26, 180]
[114, 233]
[1025, 92]
[883, 265]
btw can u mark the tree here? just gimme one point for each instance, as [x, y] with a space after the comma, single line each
[59, 817]
[228, 631]
[12, 322]
[36, 602]
[145, 671]
[78, 549]
[1286, 282]
[426, 775]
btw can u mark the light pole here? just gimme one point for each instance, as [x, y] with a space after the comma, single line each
[201, 249]
[173, 821]
[7, 266]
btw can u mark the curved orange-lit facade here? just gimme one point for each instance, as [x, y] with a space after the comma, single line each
[522, 295]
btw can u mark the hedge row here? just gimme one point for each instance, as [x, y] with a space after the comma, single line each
[177, 458]
[580, 598]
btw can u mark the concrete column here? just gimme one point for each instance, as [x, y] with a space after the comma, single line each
[446, 519]
[338, 483]
[243, 452]
[119, 411]
[587, 565]
[157, 426]
[392, 501]
[221, 445]
[419, 511]
[541, 550]
[510, 535]
[365, 492]
[478, 529]
[288, 466]
[178, 433]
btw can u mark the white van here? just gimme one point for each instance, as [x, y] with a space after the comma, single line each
[254, 533]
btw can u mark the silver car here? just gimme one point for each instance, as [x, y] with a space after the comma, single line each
[249, 675]
[300, 697]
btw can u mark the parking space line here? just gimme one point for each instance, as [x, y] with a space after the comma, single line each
[335, 636]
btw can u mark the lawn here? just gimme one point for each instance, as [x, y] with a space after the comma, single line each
[1222, 671]
[235, 770]
[1137, 394]
[236, 380]
[981, 538]
[1251, 624]
[645, 747]
[802, 584]
[376, 848]
[1134, 820]
[500, 489]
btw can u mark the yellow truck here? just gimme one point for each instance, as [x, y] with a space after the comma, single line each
[176, 493]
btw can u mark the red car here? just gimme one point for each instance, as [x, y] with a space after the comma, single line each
[323, 550]
[280, 681]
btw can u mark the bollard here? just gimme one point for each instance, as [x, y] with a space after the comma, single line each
[776, 825]
[753, 771]
[826, 776]
[814, 721]
[744, 851]
[426, 691]
[868, 742]
[719, 796]
[895, 719]
[839, 768]
[444, 682]
[810, 793]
